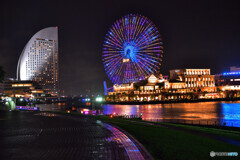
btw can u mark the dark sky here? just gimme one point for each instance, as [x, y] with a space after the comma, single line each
[196, 34]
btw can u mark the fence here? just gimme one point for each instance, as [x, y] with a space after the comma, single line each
[197, 122]
[202, 122]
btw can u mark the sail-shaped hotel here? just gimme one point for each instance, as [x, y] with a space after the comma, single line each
[39, 60]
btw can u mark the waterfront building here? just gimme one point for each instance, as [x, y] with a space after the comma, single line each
[229, 82]
[123, 88]
[29, 89]
[182, 84]
[39, 60]
[195, 79]
[144, 90]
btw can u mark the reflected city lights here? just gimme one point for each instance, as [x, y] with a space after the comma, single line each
[209, 112]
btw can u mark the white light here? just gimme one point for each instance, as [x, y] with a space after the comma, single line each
[99, 99]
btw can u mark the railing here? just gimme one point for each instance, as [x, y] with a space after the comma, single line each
[197, 122]
[184, 121]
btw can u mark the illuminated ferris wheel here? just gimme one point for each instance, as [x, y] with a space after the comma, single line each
[132, 49]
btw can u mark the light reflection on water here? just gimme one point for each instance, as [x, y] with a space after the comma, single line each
[205, 112]
[228, 112]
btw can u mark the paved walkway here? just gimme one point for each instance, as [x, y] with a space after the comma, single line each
[27, 135]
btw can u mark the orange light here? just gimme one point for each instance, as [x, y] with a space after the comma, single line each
[111, 116]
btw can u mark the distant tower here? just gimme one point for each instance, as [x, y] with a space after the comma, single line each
[39, 60]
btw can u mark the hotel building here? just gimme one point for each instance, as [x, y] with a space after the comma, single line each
[195, 79]
[39, 60]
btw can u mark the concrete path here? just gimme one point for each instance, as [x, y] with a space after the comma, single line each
[27, 135]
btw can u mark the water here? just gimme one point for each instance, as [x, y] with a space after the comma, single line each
[205, 113]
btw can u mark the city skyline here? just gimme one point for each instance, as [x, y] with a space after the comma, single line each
[192, 35]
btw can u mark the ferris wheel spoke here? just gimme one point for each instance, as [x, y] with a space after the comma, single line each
[111, 63]
[154, 42]
[117, 34]
[136, 27]
[139, 69]
[118, 73]
[153, 46]
[120, 33]
[146, 62]
[144, 36]
[113, 43]
[114, 39]
[146, 41]
[150, 59]
[141, 30]
[111, 46]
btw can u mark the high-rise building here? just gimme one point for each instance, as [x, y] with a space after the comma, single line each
[39, 60]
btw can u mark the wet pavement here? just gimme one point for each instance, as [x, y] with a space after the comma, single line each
[31, 135]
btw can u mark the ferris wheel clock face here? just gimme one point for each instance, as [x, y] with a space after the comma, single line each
[132, 49]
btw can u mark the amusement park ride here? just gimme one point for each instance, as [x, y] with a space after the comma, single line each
[132, 50]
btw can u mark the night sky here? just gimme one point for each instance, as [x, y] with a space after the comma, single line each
[196, 34]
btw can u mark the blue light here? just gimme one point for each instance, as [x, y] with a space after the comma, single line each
[231, 73]
[129, 53]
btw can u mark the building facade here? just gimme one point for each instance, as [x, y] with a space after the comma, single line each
[39, 60]
[29, 89]
[195, 79]
[182, 84]
[228, 83]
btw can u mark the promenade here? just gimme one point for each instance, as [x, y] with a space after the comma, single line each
[41, 135]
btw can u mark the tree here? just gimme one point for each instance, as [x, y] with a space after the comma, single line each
[2, 74]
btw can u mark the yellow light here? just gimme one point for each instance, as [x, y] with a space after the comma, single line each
[126, 60]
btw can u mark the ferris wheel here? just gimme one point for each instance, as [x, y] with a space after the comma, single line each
[132, 49]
